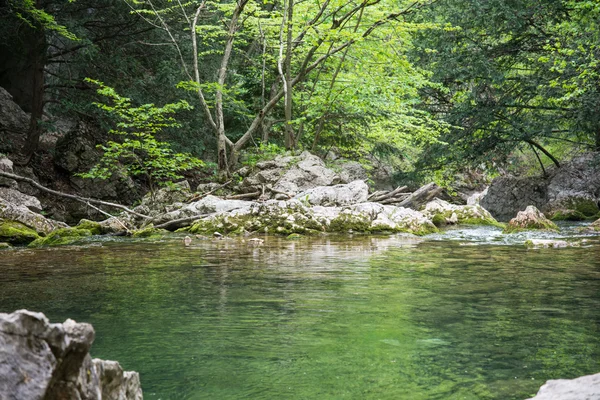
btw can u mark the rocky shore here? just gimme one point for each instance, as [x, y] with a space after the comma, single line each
[40, 360]
[297, 195]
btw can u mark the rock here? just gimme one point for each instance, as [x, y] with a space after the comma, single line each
[443, 213]
[113, 225]
[507, 195]
[291, 174]
[43, 361]
[530, 219]
[6, 165]
[14, 232]
[548, 243]
[292, 216]
[567, 215]
[166, 196]
[350, 171]
[4, 245]
[14, 123]
[337, 195]
[475, 198]
[16, 197]
[61, 237]
[23, 215]
[585, 387]
[574, 186]
[593, 227]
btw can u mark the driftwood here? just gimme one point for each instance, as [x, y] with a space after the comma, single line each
[176, 223]
[252, 195]
[395, 200]
[422, 196]
[199, 196]
[85, 200]
[385, 196]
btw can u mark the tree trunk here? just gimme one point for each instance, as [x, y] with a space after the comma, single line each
[38, 55]
[222, 164]
[290, 142]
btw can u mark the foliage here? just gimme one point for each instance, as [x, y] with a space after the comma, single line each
[138, 153]
[27, 12]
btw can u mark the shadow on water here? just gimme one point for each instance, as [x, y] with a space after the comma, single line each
[467, 315]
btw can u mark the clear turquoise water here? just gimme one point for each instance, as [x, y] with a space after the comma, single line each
[468, 315]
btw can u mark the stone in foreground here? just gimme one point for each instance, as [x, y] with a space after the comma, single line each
[443, 213]
[530, 219]
[39, 360]
[583, 388]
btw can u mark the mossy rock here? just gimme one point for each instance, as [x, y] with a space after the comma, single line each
[294, 236]
[568, 215]
[346, 222]
[586, 207]
[4, 246]
[149, 232]
[536, 226]
[92, 226]
[14, 232]
[61, 237]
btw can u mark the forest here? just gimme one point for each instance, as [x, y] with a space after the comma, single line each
[430, 88]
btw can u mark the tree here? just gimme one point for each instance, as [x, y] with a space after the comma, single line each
[138, 153]
[315, 33]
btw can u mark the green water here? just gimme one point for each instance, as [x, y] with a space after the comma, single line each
[468, 315]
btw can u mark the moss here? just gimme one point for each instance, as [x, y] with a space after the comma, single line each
[294, 236]
[4, 245]
[346, 222]
[568, 215]
[15, 232]
[586, 207]
[539, 225]
[149, 232]
[438, 220]
[91, 226]
[61, 237]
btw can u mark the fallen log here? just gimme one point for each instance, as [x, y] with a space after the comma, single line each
[422, 196]
[388, 195]
[198, 196]
[179, 223]
[251, 195]
[85, 200]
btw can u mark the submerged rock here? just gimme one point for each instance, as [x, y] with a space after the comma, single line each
[44, 361]
[548, 243]
[61, 237]
[585, 387]
[530, 219]
[443, 213]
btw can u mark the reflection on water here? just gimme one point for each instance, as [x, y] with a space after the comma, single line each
[338, 317]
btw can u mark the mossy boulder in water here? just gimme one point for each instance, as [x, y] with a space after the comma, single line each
[530, 219]
[61, 237]
[149, 232]
[443, 213]
[567, 215]
[594, 227]
[94, 227]
[14, 232]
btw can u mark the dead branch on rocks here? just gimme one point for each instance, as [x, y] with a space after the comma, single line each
[179, 223]
[252, 195]
[85, 200]
[198, 196]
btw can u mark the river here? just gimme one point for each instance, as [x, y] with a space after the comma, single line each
[470, 314]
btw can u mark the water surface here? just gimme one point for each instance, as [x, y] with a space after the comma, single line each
[471, 314]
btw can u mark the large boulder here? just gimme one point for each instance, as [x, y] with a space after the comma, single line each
[585, 387]
[16, 197]
[291, 174]
[6, 165]
[40, 360]
[14, 123]
[443, 213]
[530, 219]
[575, 186]
[19, 213]
[507, 195]
[337, 195]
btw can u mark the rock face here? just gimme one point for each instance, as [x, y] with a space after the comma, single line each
[531, 218]
[443, 213]
[575, 186]
[583, 388]
[14, 122]
[6, 165]
[39, 360]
